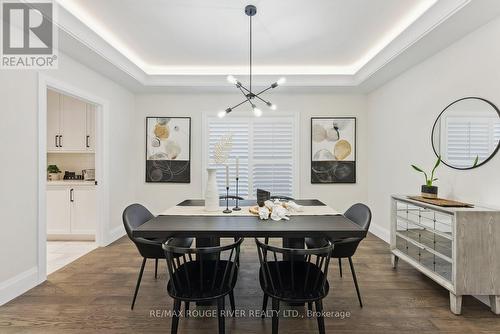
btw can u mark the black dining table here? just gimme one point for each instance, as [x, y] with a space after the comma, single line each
[208, 229]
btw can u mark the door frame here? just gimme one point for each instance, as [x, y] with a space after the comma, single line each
[101, 163]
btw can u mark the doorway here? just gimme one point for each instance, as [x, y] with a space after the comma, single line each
[72, 193]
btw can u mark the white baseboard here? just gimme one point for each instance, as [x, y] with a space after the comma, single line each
[115, 234]
[380, 232]
[18, 285]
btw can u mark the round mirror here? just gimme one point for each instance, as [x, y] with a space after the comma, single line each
[467, 133]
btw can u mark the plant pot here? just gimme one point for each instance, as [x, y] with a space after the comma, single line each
[429, 191]
[54, 176]
[212, 191]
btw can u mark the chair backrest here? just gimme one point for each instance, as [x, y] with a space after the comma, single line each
[134, 216]
[202, 272]
[360, 214]
[282, 197]
[231, 197]
[287, 270]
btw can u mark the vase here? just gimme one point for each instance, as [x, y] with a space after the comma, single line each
[429, 191]
[212, 191]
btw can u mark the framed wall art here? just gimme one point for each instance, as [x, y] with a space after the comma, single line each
[168, 149]
[333, 150]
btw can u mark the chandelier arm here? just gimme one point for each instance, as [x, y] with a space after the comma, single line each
[264, 90]
[239, 104]
[242, 92]
[266, 102]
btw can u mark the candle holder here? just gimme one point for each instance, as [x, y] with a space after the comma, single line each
[237, 208]
[227, 202]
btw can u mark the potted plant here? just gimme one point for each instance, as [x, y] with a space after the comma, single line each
[53, 173]
[429, 190]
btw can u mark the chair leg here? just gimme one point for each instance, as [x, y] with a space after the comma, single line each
[156, 268]
[310, 306]
[138, 282]
[355, 282]
[340, 266]
[231, 302]
[276, 309]
[220, 314]
[186, 309]
[266, 241]
[321, 320]
[175, 316]
[264, 305]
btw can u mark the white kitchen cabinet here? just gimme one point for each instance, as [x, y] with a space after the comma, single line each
[90, 138]
[71, 212]
[53, 120]
[83, 210]
[58, 210]
[73, 124]
[70, 124]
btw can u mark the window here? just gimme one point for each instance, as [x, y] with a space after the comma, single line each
[470, 137]
[266, 150]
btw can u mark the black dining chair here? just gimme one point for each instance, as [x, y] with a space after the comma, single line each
[134, 216]
[201, 275]
[361, 215]
[300, 279]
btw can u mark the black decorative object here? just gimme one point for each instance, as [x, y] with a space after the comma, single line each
[237, 208]
[466, 134]
[227, 202]
[249, 95]
[168, 149]
[333, 150]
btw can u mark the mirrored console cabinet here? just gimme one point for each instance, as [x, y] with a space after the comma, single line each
[459, 248]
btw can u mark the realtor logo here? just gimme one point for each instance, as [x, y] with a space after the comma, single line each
[28, 35]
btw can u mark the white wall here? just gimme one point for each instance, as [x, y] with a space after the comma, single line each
[158, 197]
[19, 168]
[401, 115]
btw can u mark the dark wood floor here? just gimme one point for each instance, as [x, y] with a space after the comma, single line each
[93, 295]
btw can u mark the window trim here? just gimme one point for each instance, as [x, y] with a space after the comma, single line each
[206, 116]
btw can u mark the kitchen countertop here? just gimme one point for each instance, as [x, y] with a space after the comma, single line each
[70, 183]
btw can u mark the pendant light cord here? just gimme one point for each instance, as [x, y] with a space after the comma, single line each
[250, 54]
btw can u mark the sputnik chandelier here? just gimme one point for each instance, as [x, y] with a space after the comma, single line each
[249, 95]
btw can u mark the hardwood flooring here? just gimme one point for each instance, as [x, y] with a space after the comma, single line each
[93, 295]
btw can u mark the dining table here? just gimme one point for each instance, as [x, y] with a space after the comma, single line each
[207, 227]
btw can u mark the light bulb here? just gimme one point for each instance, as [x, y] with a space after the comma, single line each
[273, 107]
[232, 79]
[257, 112]
[221, 114]
[281, 81]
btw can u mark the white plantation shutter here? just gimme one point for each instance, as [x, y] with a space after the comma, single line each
[468, 138]
[272, 168]
[265, 147]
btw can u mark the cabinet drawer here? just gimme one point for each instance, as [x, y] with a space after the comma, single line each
[427, 257]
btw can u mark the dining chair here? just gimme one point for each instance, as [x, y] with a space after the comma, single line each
[302, 280]
[239, 198]
[201, 275]
[134, 216]
[361, 215]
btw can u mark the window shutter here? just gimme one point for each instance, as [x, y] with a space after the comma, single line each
[273, 155]
[265, 150]
[468, 138]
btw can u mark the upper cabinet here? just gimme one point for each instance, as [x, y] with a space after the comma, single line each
[70, 124]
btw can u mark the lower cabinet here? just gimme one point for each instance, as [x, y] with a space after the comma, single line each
[71, 212]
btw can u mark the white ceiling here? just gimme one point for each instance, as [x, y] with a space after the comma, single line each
[149, 44]
[191, 36]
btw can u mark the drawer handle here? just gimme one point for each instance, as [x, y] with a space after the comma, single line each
[87, 141]
[57, 137]
[71, 197]
[60, 141]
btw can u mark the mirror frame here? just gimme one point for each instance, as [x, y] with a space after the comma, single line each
[439, 116]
